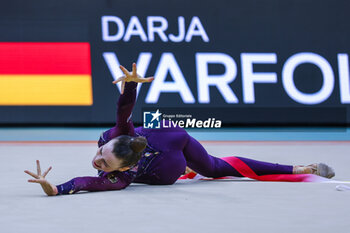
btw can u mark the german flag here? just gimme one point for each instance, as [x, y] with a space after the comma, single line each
[45, 73]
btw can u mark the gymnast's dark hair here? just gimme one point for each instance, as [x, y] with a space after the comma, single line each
[129, 149]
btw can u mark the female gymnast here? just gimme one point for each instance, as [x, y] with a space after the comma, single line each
[161, 156]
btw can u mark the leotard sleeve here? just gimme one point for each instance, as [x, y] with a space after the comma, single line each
[124, 125]
[107, 181]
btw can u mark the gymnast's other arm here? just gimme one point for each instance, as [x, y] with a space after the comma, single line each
[108, 181]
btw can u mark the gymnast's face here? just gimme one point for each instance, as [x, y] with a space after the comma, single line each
[105, 160]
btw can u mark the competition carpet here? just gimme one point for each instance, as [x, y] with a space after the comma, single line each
[242, 206]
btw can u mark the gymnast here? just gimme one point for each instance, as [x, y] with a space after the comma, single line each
[128, 155]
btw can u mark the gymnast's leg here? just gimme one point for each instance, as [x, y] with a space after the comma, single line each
[201, 162]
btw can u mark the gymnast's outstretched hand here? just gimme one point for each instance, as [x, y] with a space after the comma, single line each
[48, 188]
[131, 77]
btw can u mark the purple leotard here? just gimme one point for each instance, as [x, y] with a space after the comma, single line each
[165, 158]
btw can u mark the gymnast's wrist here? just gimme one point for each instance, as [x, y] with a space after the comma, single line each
[49, 189]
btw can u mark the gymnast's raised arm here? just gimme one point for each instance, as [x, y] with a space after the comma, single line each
[126, 102]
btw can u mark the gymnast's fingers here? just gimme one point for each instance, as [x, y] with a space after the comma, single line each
[38, 167]
[147, 80]
[122, 88]
[134, 69]
[125, 71]
[118, 80]
[36, 181]
[31, 174]
[47, 171]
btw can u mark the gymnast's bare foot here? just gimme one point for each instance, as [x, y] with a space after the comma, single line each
[319, 169]
[189, 170]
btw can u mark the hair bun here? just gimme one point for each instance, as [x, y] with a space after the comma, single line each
[138, 144]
